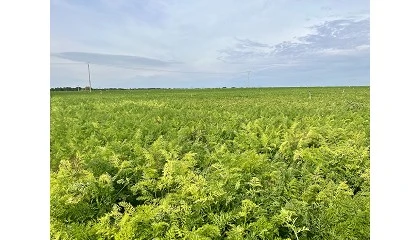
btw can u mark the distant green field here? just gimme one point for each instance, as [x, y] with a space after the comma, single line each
[263, 163]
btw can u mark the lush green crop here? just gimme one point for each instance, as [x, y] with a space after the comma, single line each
[276, 163]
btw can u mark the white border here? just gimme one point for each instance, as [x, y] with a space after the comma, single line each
[24, 126]
[395, 120]
[25, 120]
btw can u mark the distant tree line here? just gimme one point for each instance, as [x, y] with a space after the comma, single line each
[70, 89]
[105, 89]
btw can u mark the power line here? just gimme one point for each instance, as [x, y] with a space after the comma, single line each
[164, 70]
[248, 72]
[146, 69]
[175, 71]
[68, 63]
[155, 69]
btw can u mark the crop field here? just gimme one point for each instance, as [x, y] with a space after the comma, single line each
[262, 163]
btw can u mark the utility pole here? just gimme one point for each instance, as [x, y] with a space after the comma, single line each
[90, 85]
[249, 84]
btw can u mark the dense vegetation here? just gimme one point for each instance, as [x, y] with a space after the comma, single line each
[274, 163]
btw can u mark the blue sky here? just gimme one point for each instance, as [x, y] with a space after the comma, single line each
[210, 43]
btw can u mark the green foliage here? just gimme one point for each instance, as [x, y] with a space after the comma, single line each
[210, 164]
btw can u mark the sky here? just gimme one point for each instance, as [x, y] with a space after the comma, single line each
[209, 43]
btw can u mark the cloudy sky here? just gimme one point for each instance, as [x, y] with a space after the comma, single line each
[209, 43]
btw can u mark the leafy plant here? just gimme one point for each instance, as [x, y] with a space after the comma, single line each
[210, 164]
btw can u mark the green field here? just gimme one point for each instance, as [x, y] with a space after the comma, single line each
[263, 163]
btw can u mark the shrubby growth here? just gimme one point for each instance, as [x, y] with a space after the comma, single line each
[210, 164]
